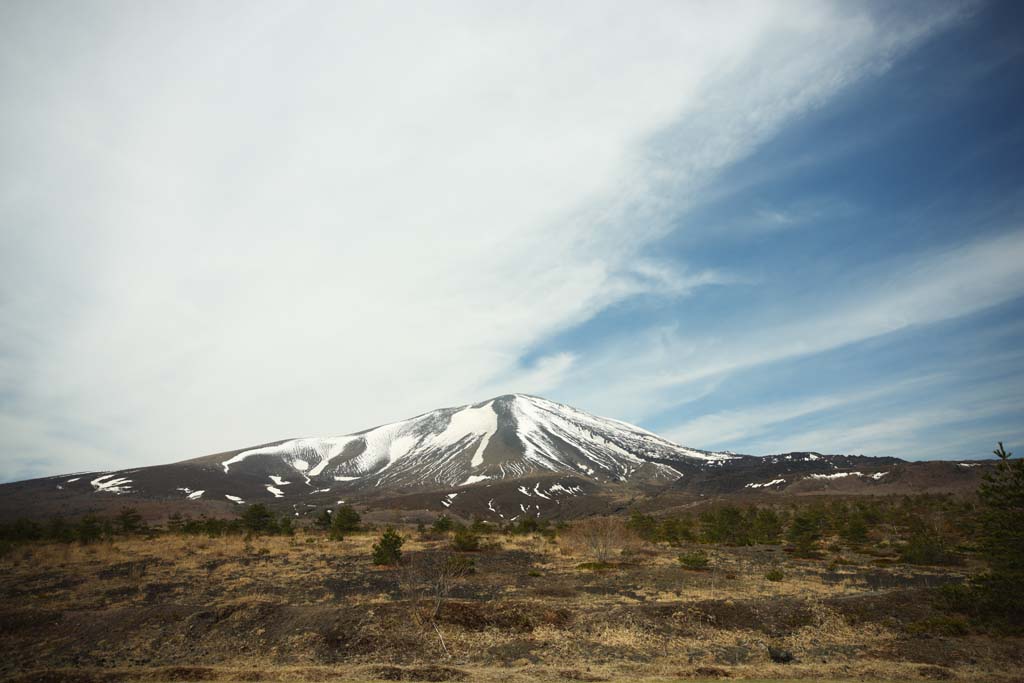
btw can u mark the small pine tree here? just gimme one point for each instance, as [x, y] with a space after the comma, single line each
[258, 519]
[323, 520]
[479, 526]
[855, 530]
[346, 518]
[442, 524]
[804, 533]
[388, 550]
[129, 520]
[175, 523]
[285, 526]
[89, 529]
[1001, 541]
[465, 540]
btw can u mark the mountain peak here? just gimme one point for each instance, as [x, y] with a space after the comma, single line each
[504, 437]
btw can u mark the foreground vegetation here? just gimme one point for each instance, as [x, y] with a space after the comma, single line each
[924, 588]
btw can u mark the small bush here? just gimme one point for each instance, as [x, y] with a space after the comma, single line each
[599, 537]
[388, 550]
[595, 566]
[465, 540]
[940, 626]
[927, 547]
[775, 574]
[697, 560]
[258, 519]
[457, 565]
[342, 521]
[443, 524]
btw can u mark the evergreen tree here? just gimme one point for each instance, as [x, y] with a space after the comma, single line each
[323, 520]
[345, 518]
[442, 524]
[855, 530]
[176, 523]
[804, 533]
[89, 529]
[129, 520]
[258, 519]
[1001, 541]
[388, 550]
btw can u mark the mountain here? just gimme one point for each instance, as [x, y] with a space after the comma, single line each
[501, 458]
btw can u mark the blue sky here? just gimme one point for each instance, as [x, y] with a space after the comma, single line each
[922, 160]
[759, 227]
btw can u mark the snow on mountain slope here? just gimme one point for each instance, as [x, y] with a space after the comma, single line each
[506, 437]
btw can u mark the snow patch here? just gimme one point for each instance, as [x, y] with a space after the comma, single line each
[278, 480]
[234, 499]
[773, 482]
[474, 479]
[278, 493]
[109, 484]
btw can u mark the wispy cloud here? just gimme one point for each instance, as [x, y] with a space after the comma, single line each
[724, 428]
[290, 219]
[940, 285]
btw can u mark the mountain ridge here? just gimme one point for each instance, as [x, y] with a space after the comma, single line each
[528, 454]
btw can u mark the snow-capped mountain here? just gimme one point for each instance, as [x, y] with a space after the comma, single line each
[501, 458]
[507, 437]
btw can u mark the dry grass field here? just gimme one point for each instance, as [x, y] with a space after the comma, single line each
[305, 608]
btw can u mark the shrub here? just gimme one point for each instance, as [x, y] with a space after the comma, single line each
[775, 574]
[926, 546]
[697, 560]
[388, 550]
[725, 525]
[285, 526]
[323, 520]
[89, 529]
[644, 526]
[346, 519]
[998, 596]
[443, 524]
[595, 566]
[465, 540]
[804, 533]
[599, 537]
[129, 520]
[765, 525]
[175, 523]
[855, 530]
[258, 519]
[942, 625]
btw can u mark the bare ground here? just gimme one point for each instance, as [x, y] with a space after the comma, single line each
[309, 609]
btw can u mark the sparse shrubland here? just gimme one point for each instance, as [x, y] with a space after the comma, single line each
[848, 588]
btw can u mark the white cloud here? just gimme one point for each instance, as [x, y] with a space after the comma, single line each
[940, 285]
[229, 223]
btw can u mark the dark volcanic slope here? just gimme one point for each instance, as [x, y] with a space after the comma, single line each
[503, 458]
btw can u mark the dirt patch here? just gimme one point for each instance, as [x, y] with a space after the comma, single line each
[577, 675]
[516, 617]
[69, 676]
[776, 618]
[705, 672]
[422, 673]
[187, 673]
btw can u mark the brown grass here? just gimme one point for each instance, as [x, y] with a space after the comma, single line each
[306, 608]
